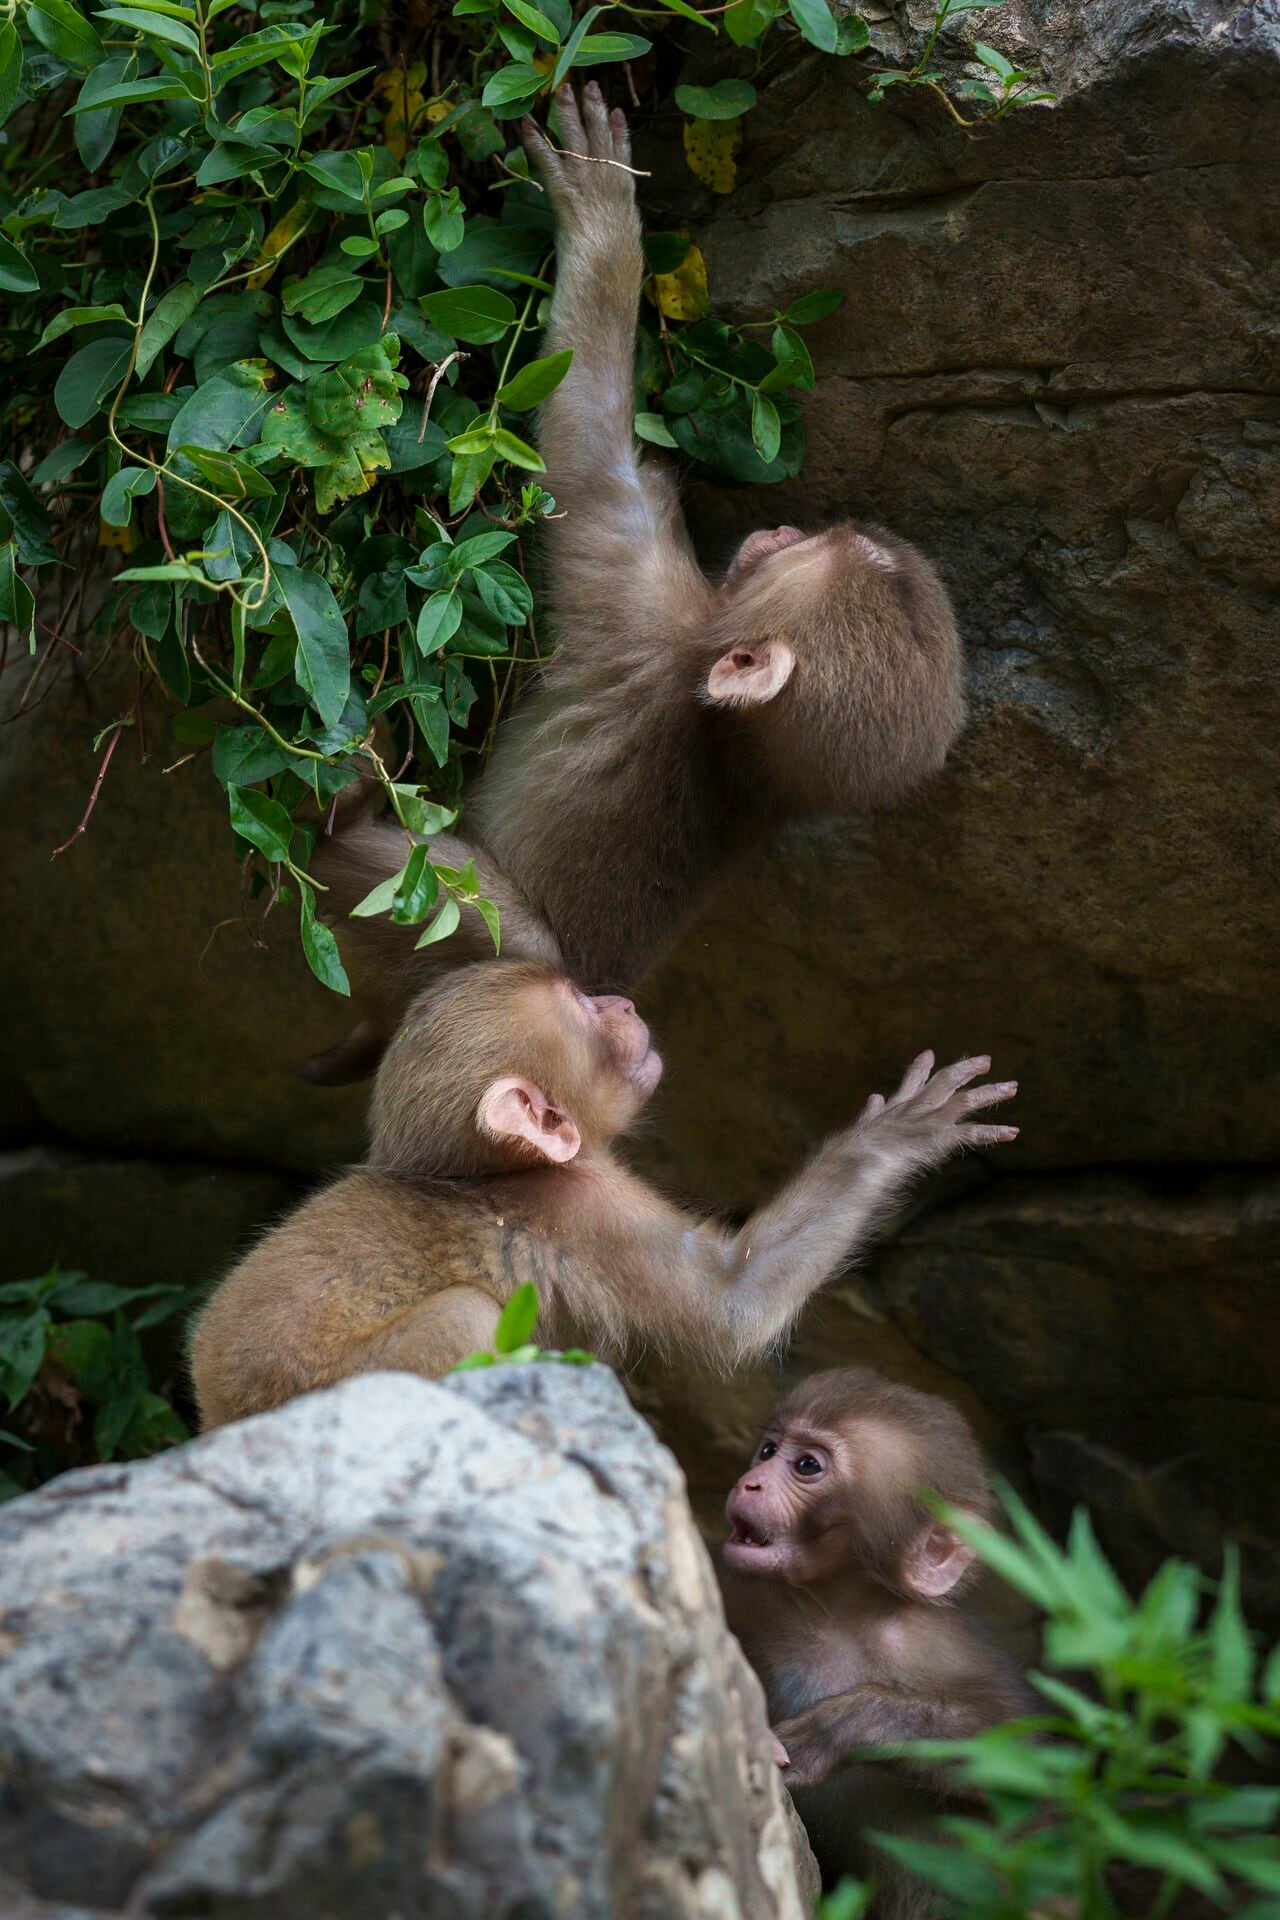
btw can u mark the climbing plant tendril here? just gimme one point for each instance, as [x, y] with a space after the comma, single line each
[276, 277]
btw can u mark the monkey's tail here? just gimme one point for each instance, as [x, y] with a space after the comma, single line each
[352, 1059]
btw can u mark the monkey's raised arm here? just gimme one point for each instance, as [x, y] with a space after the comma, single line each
[735, 1295]
[800, 1239]
[622, 532]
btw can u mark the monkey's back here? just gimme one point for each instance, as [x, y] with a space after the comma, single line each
[311, 1302]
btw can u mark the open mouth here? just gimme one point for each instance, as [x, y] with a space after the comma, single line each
[746, 1536]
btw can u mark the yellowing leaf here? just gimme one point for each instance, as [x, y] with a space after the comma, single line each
[437, 109]
[402, 90]
[353, 473]
[682, 295]
[123, 537]
[545, 62]
[709, 147]
[287, 229]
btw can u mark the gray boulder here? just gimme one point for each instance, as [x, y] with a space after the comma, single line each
[400, 1648]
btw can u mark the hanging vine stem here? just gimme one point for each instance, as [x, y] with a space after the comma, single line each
[159, 467]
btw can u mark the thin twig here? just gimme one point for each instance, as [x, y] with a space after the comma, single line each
[436, 378]
[124, 721]
[60, 638]
[631, 85]
[599, 160]
[382, 670]
[386, 305]
[164, 531]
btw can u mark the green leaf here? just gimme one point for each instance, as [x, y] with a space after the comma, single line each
[233, 478]
[766, 428]
[520, 81]
[653, 428]
[17, 275]
[687, 12]
[121, 491]
[444, 222]
[518, 452]
[994, 60]
[244, 755]
[504, 592]
[478, 315]
[749, 19]
[530, 387]
[571, 45]
[132, 93]
[723, 101]
[173, 32]
[171, 312]
[1152, 1845]
[261, 821]
[88, 377]
[1230, 1647]
[28, 518]
[812, 306]
[340, 172]
[322, 664]
[17, 602]
[320, 946]
[77, 317]
[489, 914]
[816, 22]
[11, 60]
[23, 1338]
[442, 926]
[323, 294]
[64, 30]
[439, 620]
[517, 1320]
[417, 889]
[601, 49]
[853, 34]
[537, 22]
[664, 252]
[219, 415]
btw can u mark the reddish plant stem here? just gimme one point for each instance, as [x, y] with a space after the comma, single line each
[112, 744]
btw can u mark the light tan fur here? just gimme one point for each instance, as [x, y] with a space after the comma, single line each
[407, 1261]
[651, 757]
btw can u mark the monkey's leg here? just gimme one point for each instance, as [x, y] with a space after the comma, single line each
[434, 1335]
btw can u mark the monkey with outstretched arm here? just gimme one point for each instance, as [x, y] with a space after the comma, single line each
[494, 1118]
[684, 719]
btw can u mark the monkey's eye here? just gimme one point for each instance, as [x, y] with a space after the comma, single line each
[767, 1449]
[808, 1465]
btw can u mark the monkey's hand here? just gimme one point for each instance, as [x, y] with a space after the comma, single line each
[811, 1742]
[926, 1120]
[591, 187]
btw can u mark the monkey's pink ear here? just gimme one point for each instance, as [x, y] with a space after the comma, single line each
[515, 1109]
[936, 1562]
[750, 674]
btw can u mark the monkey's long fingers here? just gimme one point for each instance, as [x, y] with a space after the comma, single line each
[948, 1080]
[541, 152]
[986, 1136]
[874, 1106]
[621, 136]
[973, 1099]
[573, 138]
[913, 1079]
[781, 1757]
[595, 117]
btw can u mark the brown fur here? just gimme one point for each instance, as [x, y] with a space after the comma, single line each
[408, 1261]
[620, 793]
[853, 1615]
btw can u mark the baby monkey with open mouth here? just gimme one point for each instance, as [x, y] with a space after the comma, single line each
[848, 1596]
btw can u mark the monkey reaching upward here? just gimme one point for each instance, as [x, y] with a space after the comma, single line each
[847, 1593]
[494, 1116]
[683, 719]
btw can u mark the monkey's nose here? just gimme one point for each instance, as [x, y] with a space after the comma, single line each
[751, 1486]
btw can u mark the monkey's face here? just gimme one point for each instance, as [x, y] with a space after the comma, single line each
[618, 1038]
[837, 653]
[785, 1513]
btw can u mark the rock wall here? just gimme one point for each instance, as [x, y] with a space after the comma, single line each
[1056, 369]
[398, 1648]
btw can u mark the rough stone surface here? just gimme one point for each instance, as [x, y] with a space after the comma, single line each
[398, 1648]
